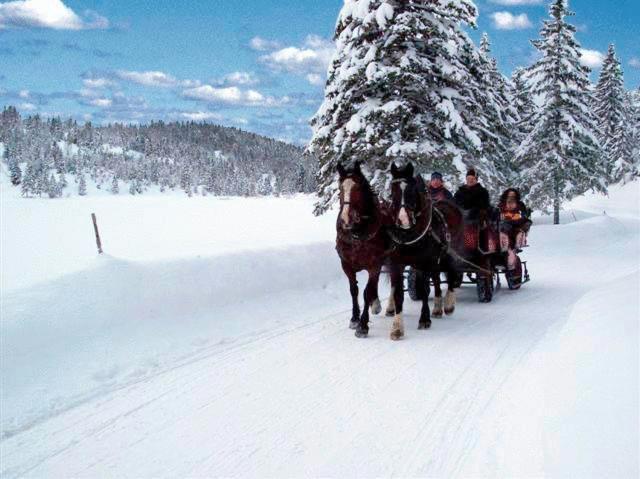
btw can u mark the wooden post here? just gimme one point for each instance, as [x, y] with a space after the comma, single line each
[95, 228]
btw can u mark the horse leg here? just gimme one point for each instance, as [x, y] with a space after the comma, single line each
[353, 288]
[362, 330]
[376, 307]
[391, 304]
[397, 329]
[450, 297]
[425, 315]
[437, 299]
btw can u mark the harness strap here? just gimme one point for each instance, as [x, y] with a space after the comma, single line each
[454, 254]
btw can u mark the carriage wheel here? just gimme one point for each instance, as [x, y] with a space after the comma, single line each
[415, 284]
[484, 287]
[484, 284]
[514, 278]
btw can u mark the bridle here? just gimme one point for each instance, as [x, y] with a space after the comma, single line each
[365, 219]
[428, 205]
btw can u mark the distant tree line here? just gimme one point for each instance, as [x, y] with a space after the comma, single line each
[51, 156]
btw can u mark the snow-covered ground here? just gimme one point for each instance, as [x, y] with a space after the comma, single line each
[211, 340]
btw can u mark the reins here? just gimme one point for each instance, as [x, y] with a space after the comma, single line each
[428, 205]
[447, 245]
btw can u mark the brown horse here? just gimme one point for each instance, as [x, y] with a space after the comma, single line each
[361, 242]
[424, 236]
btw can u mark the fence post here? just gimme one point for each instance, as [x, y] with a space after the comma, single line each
[95, 228]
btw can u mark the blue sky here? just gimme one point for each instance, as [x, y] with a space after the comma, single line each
[255, 64]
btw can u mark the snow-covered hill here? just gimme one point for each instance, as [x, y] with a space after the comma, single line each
[211, 340]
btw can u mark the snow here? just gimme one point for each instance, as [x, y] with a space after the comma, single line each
[384, 13]
[212, 340]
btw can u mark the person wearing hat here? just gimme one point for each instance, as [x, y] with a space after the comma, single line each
[514, 224]
[472, 197]
[437, 190]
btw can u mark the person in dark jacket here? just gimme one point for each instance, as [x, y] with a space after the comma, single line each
[472, 197]
[437, 190]
[514, 224]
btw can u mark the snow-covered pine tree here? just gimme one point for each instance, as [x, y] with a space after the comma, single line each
[523, 103]
[82, 185]
[633, 110]
[561, 156]
[27, 185]
[494, 116]
[115, 188]
[14, 171]
[57, 158]
[396, 91]
[54, 189]
[613, 124]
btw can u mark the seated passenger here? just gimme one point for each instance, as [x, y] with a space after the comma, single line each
[514, 224]
[437, 190]
[473, 198]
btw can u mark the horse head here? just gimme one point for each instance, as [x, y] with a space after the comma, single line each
[410, 201]
[357, 201]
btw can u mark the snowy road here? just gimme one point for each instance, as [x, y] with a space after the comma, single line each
[279, 386]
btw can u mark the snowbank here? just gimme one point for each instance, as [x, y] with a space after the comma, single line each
[120, 321]
[571, 409]
[43, 239]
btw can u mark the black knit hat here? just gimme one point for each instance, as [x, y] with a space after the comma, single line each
[472, 172]
[436, 175]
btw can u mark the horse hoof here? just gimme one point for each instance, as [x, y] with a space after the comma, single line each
[362, 333]
[396, 335]
[376, 307]
[422, 325]
[449, 311]
[436, 314]
[388, 313]
[353, 324]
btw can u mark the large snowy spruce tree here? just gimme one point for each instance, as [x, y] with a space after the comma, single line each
[523, 104]
[398, 91]
[611, 109]
[561, 156]
[633, 110]
[495, 117]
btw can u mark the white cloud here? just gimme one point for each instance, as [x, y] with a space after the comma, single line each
[591, 58]
[155, 79]
[201, 116]
[262, 45]
[240, 78]
[27, 106]
[232, 96]
[47, 14]
[98, 83]
[635, 62]
[512, 3]
[508, 21]
[149, 78]
[24, 94]
[101, 102]
[315, 79]
[89, 93]
[311, 60]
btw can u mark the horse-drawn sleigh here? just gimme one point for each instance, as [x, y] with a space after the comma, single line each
[410, 231]
[481, 261]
